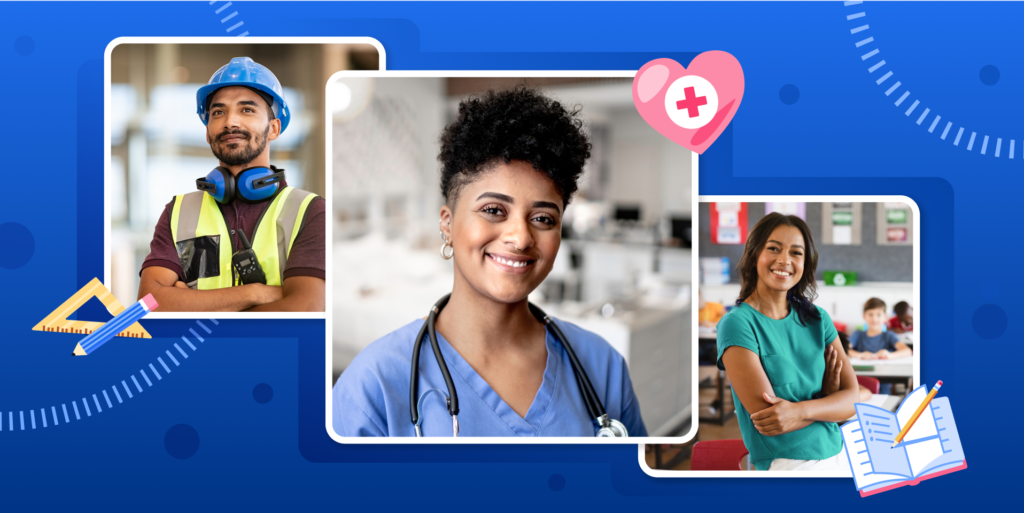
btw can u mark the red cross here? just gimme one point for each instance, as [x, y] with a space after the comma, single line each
[690, 102]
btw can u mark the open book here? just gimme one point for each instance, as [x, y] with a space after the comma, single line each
[931, 448]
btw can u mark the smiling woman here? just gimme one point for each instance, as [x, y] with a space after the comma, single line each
[776, 346]
[510, 163]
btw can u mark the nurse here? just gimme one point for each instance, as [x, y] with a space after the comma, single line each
[775, 345]
[510, 164]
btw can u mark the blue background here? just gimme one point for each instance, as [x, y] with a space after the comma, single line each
[842, 135]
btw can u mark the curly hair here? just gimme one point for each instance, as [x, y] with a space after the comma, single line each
[516, 124]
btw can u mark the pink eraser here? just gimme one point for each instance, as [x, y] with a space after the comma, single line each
[939, 383]
[150, 302]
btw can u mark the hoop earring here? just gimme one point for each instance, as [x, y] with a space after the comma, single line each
[447, 255]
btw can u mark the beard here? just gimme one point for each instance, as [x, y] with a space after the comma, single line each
[245, 152]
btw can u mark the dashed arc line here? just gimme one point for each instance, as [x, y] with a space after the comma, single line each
[32, 424]
[229, 17]
[864, 39]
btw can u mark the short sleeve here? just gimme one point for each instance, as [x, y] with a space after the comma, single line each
[890, 341]
[856, 339]
[631, 407]
[349, 419]
[735, 330]
[162, 250]
[357, 404]
[828, 328]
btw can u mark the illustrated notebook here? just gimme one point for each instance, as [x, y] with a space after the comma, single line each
[931, 448]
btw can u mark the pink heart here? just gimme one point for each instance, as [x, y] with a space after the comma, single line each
[690, 106]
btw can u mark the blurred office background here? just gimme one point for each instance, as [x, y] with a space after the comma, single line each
[158, 143]
[624, 268]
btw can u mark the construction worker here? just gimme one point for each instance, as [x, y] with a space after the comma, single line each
[245, 202]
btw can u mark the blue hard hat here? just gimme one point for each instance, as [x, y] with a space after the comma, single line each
[243, 71]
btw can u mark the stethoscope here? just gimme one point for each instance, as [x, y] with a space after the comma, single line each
[606, 427]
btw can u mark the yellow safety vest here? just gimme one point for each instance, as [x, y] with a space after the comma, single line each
[197, 223]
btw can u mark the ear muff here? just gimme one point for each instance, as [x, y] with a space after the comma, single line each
[259, 183]
[220, 184]
[252, 185]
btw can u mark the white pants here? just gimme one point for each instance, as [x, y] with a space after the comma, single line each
[838, 462]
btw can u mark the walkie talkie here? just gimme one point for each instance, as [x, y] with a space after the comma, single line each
[246, 264]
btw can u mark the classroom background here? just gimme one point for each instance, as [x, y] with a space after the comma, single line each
[158, 144]
[624, 266]
[865, 250]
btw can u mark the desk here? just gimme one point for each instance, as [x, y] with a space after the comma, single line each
[895, 368]
[898, 370]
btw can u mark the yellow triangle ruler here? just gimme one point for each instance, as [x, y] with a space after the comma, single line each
[58, 321]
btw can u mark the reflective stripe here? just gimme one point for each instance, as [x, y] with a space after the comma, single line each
[187, 208]
[289, 223]
[277, 230]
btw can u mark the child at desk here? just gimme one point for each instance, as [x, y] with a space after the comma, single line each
[903, 321]
[876, 343]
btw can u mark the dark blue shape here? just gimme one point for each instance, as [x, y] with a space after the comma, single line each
[989, 321]
[89, 134]
[556, 482]
[262, 393]
[789, 94]
[181, 441]
[989, 75]
[24, 46]
[18, 244]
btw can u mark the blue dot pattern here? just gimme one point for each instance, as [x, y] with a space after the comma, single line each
[263, 393]
[18, 244]
[181, 441]
[789, 94]
[989, 321]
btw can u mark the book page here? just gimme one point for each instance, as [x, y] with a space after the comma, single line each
[860, 463]
[879, 429]
[952, 451]
[922, 442]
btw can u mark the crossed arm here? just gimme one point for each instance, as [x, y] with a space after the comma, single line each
[297, 294]
[775, 416]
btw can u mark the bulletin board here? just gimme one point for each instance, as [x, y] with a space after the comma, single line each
[895, 224]
[872, 261]
[841, 223]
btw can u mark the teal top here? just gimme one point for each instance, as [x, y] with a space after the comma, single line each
[793, 358]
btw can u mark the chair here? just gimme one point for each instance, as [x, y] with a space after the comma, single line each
[718, 455]
[872, 384]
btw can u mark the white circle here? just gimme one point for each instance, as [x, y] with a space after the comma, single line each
[680, 106]
[839, 279]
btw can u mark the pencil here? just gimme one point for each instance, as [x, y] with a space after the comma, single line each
[913, 418]
[116, 325]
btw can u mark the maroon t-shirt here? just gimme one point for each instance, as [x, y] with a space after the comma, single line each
[307, 257]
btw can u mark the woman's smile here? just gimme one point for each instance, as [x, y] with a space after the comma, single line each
[511, 263]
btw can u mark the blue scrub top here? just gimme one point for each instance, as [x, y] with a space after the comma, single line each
[371, 398]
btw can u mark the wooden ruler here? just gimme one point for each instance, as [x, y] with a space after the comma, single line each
[58, 321]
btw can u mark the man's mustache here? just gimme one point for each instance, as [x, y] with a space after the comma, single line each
[246, 133]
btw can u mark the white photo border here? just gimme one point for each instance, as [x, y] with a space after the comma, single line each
[327, 179]
[495, 439]
[917, 328]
